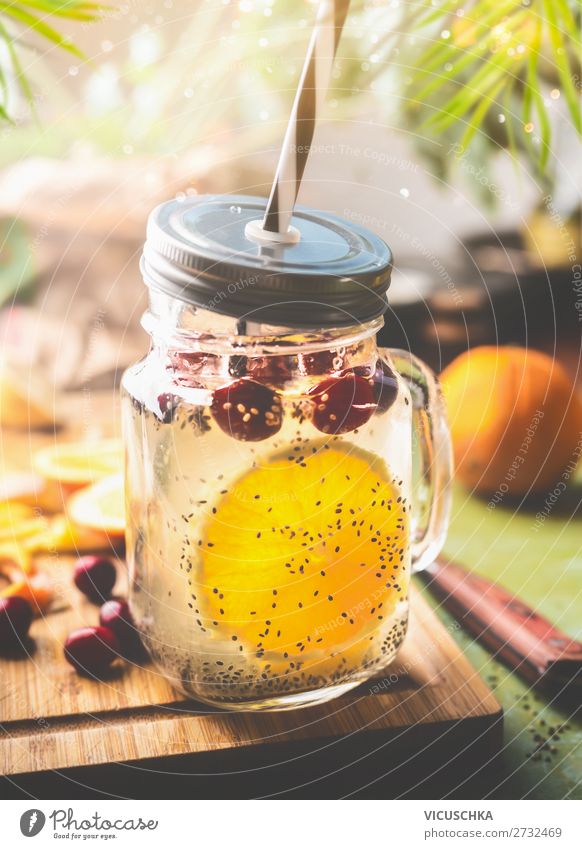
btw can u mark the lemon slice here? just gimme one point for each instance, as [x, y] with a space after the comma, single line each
[305, 554]
[31, 490]
[13, 513]
[80, 463]
[100, 507]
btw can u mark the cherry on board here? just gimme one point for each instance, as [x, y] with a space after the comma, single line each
[116, 616]
[91, 651]
[95, 577]
[15, 619]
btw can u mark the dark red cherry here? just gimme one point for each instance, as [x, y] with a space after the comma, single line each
[385, 386]
[237, 365]
[190, 361]
[187, 366]
[273, 370]
[137, 405]
[91, 650]
[167, 405]
[343, 403]
[115, 615]
[15, 619]
[319, 362]
[247, 410]
[95, 576]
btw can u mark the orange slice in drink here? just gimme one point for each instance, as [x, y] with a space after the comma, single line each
[100, 507]
[306, 554]
[78, 464]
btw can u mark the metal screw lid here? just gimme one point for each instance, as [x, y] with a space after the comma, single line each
[337, 274]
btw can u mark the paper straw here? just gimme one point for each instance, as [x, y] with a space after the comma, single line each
[311, 92]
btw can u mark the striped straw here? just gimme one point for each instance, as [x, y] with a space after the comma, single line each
[308, 102]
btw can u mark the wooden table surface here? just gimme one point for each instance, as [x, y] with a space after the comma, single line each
[542, 754]
[53, 719]
[543, 738]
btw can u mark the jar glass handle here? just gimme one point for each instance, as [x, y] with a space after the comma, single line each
[432, 462]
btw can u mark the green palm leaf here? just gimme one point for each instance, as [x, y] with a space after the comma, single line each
[496, 50]
[21, 19]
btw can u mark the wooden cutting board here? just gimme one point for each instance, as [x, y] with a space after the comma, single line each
[429, 707]
[52, 719]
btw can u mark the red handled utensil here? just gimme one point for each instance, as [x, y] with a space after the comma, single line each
[515, 633]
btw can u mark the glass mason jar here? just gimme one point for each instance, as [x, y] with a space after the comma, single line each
[283, 472]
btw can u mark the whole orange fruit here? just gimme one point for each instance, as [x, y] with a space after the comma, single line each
[516, 420]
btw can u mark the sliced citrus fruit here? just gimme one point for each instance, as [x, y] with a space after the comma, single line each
[21, 526]
[23, 529]
[305, 555]
[101, 506]
[80, 463]
[37, 590]
[15, 560]
[62, 534]
[13, 512]
[30, 489]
